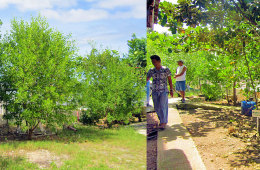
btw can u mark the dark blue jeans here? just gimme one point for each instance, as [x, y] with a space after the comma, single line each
[160, 102]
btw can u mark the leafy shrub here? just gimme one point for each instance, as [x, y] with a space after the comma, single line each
[112, 89]
[137, 51]
[87, 119]
[211, 92]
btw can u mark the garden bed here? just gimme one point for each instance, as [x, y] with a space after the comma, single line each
[225, 138]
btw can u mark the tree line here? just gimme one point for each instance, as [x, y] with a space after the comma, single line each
[219, 41]
[43, 79]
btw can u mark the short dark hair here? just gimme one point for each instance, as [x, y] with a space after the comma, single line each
[156, 57]
[180, 61]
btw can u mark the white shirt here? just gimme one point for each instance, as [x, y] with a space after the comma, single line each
[178, 71]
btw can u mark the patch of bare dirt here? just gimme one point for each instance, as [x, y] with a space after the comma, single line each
[225, 139]
[43, 158]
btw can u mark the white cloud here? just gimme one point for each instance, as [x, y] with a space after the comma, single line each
[111, 4]
[138, 12]
[100, 10]
[137, 8]
[24, 5]
[76, 15]
[105, 37]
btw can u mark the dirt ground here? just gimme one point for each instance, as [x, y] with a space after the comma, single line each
[225, 139]
[152, 122]
[42, 157]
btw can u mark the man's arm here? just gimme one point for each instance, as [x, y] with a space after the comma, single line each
[182, 72]
[148, 76]
[171, 87]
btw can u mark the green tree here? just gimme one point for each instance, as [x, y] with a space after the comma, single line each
[213, 13]
[37, 72]
[112, 89]
[228, 28]
[137, 51]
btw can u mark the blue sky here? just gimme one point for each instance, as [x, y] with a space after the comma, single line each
[106, 23]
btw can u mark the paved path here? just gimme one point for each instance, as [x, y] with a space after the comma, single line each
[176, 149]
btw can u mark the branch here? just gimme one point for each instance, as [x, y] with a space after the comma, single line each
[244, 15]
[35, 126]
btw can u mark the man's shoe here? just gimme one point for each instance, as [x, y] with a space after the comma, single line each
[162, 128]
[183, 101]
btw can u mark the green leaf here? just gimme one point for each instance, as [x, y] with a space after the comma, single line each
[164, 20]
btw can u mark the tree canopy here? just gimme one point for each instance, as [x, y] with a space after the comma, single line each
[37, 73]
[224, 35]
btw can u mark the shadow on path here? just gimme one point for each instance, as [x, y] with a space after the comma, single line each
[174, 159]
[174, 131]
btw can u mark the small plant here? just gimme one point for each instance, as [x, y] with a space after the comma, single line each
[89, 119]
[211, 92]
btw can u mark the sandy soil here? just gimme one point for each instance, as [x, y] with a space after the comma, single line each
[219, 141]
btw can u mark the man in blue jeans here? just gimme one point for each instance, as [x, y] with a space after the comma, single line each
[180, 77]
[160, 75]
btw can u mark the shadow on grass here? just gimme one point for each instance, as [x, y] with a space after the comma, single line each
[83, 134]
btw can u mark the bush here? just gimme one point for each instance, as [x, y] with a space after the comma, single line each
[112, 89]
[211, 92]
[87, 119]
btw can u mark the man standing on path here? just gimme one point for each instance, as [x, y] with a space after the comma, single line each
[180, 77]
[160, 75]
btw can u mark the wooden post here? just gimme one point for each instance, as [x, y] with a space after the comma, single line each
[256, 113]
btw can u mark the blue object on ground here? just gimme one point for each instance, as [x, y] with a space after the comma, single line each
[247, 107]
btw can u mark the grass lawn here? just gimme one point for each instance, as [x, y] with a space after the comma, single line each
[88, 148]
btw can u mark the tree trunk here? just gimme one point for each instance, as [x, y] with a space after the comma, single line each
[234, 94]
[31, 129]
[30, 133]
[250, 75]
[7, 125]
[234, 87]
[200, 85]
[227, 97]
[248, 89]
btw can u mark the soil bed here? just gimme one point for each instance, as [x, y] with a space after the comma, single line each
[224, 138]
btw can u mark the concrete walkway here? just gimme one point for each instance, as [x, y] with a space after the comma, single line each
[176, 149]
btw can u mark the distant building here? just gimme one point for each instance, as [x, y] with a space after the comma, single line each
[152, 12]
